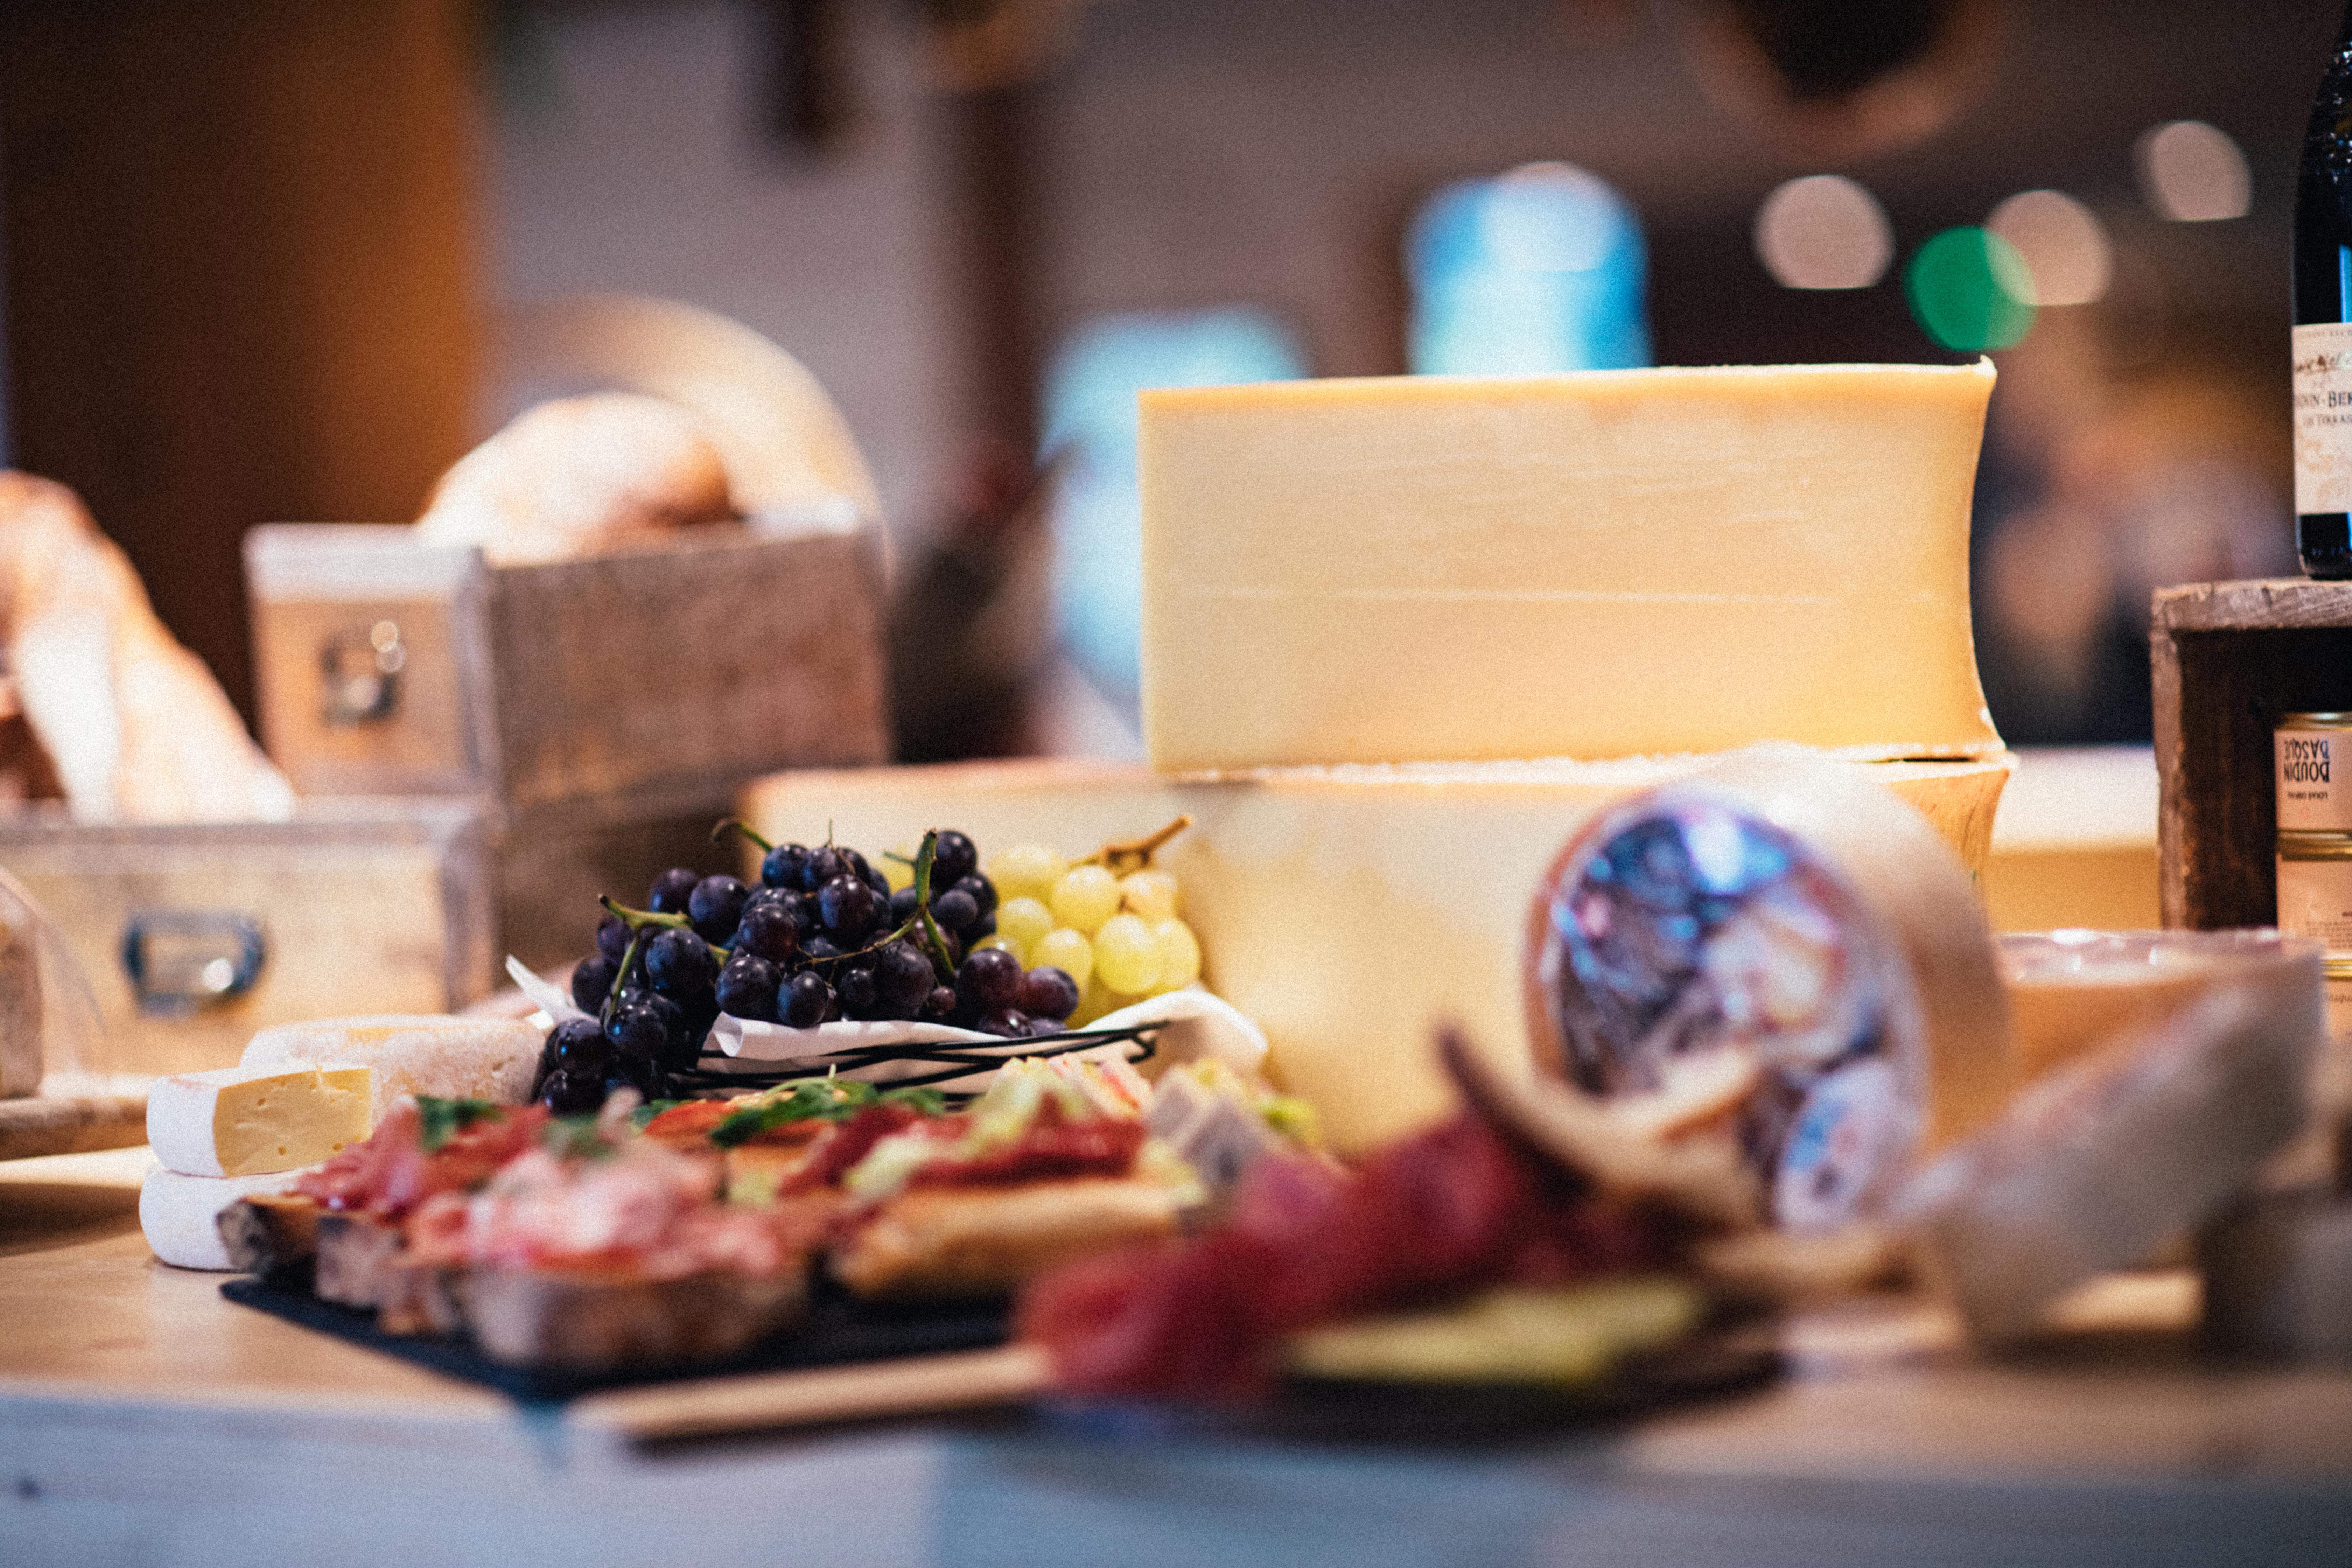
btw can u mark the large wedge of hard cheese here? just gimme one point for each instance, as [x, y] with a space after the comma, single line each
[1600, 565]
[1345, 910]
[455, 1058]
[253, 1121]
[181, 1215]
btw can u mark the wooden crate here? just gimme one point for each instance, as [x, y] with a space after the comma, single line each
[193, 936]
[2229, 659]
[549, 864]
[389, 667]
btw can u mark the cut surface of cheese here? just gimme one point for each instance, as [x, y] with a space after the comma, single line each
[180, 1214]
[1780, 912]
[247, 1121]
[1345, 910]
[1600, 565]
[455, 1058]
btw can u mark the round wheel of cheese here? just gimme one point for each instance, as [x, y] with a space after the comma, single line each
[1779, 914]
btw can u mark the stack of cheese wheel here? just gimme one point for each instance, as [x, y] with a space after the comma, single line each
[1401, 637]
[302, 1092]
[229, 1135]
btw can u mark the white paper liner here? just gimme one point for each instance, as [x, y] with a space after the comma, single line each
[1193, 1024]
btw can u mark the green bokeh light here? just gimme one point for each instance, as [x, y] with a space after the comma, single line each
[1969, 290]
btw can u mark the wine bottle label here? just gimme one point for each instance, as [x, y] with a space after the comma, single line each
[2323, 418]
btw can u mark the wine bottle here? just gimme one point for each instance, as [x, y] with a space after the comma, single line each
[2323, 324]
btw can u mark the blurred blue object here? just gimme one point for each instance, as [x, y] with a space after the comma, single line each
[1090, 432]
[1541, 269]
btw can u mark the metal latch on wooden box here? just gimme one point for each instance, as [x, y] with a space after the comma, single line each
[184, 961]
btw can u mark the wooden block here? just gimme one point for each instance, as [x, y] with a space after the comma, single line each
[194, 935]
[2229, 659]
[552, 862]
[388, 667]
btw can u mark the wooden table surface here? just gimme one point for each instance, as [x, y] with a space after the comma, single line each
[145, 1419]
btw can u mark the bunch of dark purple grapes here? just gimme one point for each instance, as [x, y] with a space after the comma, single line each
[822, 938]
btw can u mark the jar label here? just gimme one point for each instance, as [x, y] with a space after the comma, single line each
[2315, 900]
[2323, 418]
[2311, 798]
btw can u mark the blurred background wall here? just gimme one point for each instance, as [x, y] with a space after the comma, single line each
[958, 211]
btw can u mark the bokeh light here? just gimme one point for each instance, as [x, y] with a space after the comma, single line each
[1970, 291]
[1824, 231]
[1091, 425]
[2192, 172]
[1541, 269]
[2064, 244]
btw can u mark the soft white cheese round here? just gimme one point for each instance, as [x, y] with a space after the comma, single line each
[181, 1215]
[455, 1058]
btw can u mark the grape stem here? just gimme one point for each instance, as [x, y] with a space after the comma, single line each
[1122, 859]
[735, 824]
[612, 993]
[933, 938]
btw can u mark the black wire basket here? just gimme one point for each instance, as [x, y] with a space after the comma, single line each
[947, 1061]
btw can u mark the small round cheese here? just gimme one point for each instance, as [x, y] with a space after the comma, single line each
[181, 1215]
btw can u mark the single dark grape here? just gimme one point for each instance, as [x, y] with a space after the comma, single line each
[988, 980]
[637, 1032]
[904, 978]
[782, 866]
[671, 889]
[772, 899]
[716, 904]
[1010, 1022]
[859, 993]
[574, 1043]
[611, 938]
[748, 987]
[1047, 992]
[806, 1000]
[569, 1091]
[818, 950]
[679, 963]
[857, 865]
[847, 906]
[645, 1081]
[902, 906]
[1040, 1027]
[823, 864]
[940, 1004]
[592, 982]
[981, 928]
[982, 891]
[768, 931]
[952, 855]
[956, 909]
[685, 1024]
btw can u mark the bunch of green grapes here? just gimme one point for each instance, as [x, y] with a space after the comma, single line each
[1120, 937]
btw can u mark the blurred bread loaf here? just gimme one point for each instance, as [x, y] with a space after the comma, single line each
[133, 725]
[579, 475]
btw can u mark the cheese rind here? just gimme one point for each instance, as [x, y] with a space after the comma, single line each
[1345, 910]
[1600, 565]
[455, 1058]
[180, 1215]
[243, 1121]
